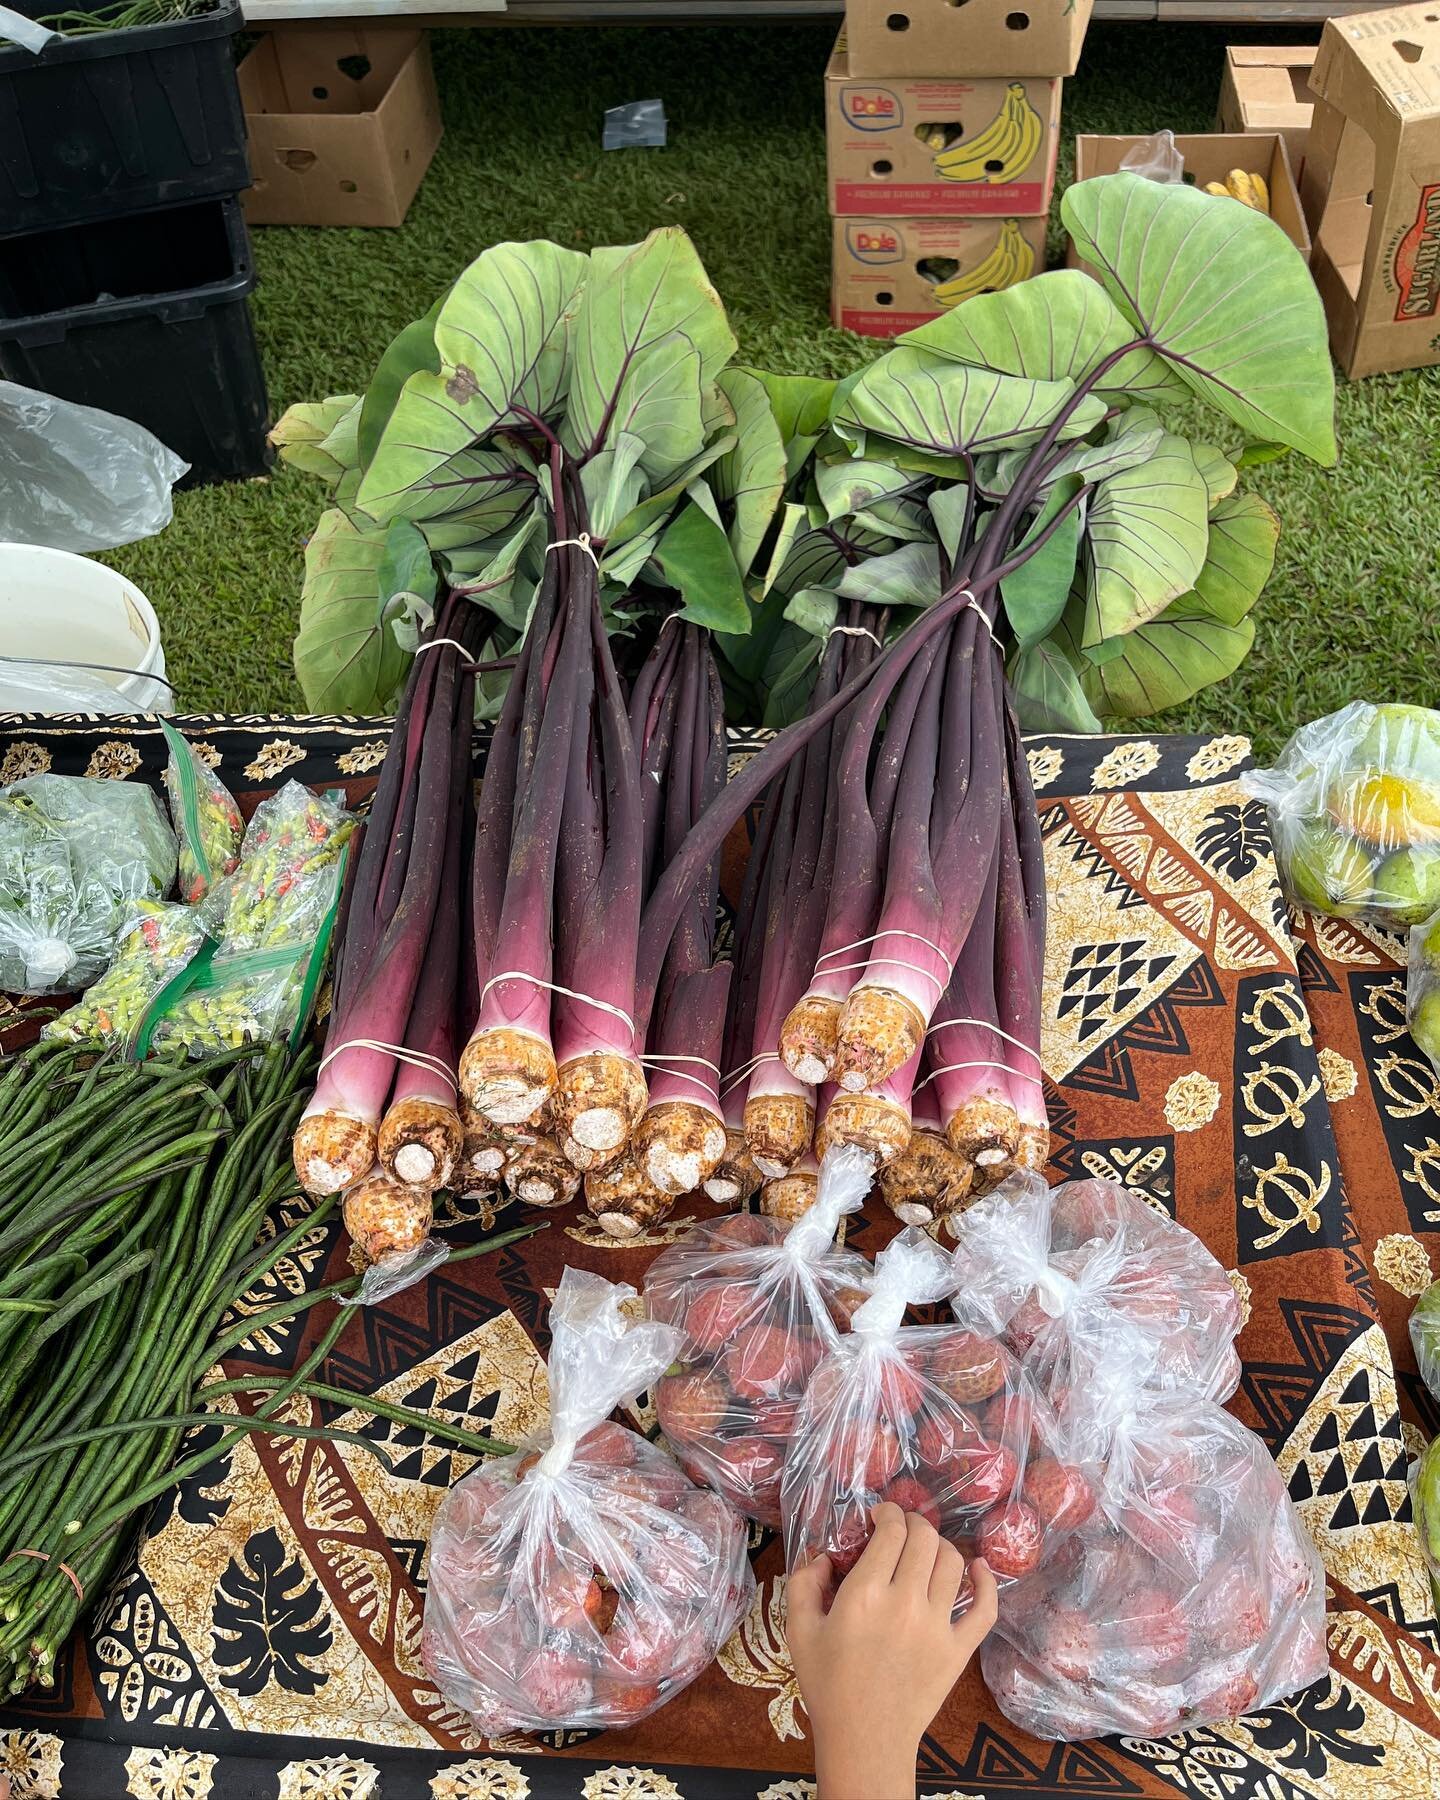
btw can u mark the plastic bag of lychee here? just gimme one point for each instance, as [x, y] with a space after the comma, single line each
[759, 1303]
[582, 1582]
[937, 1419]
[1088, 1274]
[1191, 1594]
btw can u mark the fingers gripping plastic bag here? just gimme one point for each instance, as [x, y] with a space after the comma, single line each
[1192, 1594]
[1355, 813]
[759, 1304]
[1088, 1274]
[74, 855]
[937, 1419]
[582, 1582]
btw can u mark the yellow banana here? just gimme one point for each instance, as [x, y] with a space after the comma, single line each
[1238, 183]
[1006, 145]
[1219, 189]
[1010, 260]
[1261, 192]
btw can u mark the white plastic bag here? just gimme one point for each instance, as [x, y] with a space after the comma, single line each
[583, 1581]
[1192, 1593]
[1156, 158]
[759, 1303]
[74, 478]
[1087, 1274]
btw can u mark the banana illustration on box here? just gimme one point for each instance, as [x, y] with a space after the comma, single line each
[1005, 147]
[1010, 260]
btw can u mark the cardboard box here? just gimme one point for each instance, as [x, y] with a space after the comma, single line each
[1267, 88]
[902, 148]
[342, 125]
[1372, 187]
[982, 37]
[1210, 156]
[890, 275]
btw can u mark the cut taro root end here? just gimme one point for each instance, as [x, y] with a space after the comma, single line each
[736, 1176]
[880, 1031]
[929, 1182]
[1033, 1150]
[540, 1175]
[778, 1129]
[589, 1162]
[599, 1099]
[420, 1143]
[984, 1132]
[809, 1037]
[789, 1197]
[386, 1218]
[868, 1120]
[624, 1200]
[332, 1152]
[679, 1143]
[508, 1075]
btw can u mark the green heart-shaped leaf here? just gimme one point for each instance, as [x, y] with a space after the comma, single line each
[1035, 595]
[346, 656]
[409, 351]
[1047, 690]
[1222, 294]
[318, 436]
[1147, 529]
[1056, 327]
[750, 479]
[1239, 558]
[699, 564]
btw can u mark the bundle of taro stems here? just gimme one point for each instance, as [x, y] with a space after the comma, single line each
[124, 1278]
[885, 988]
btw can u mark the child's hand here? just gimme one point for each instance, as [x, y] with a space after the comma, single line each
[876, 1656]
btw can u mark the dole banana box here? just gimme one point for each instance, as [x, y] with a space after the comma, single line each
[890, 275]
[940, 147]
[983, 37]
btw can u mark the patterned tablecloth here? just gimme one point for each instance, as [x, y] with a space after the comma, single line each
[264, 1645]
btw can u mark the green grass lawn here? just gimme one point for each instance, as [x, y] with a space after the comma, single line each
[1353, 608]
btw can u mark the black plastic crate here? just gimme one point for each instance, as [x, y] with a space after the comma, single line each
[148, 317]
[119, 119]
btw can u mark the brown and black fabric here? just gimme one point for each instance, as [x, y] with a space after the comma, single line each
[264, 1643]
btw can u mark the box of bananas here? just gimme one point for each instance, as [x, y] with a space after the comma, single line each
[890, 275]
[939, 146]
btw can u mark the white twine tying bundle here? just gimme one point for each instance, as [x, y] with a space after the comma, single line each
[855, 631]
[985, 1025]
[896, 962]
[554, 987]
[743, 1073]
[417, 1059]
[435, 643]
[662, 1060]
[950, 1068]
[580, 543]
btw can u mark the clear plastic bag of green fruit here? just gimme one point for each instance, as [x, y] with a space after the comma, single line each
[1422, 988]
[1355, 814]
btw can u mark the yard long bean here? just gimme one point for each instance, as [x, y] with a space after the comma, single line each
[134, 1201]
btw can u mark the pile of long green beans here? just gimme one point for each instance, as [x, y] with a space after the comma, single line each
[133, 1198]
[123, 15]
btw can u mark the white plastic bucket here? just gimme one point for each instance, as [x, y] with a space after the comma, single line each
[59, 611]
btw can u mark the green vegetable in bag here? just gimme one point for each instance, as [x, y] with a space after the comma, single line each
[1425, 1504]
[1425, 1337]
[75, 853]
[207, 821]
[159, 941]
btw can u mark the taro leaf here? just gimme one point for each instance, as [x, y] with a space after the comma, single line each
[1133, 438]
[318, 436]
[909, 576]
[1148, 527]
[1253, 455]
[648, 516]
[613, 482]
[948, 506]
[697, 561]
[1164, 662]
[407, 352]
[650, 336]
[346, 657]
[1241, 554]
[1222, 294]
[406, 570]
[810, 616]
[853, 486]
[801, 405]
[1047, 690]
[1035, 595]
[270, 1624]
[501, 334]
[943, 408]
[1219, 473]
[491, 577]
[481, 490]
[751, 478]
[1056, 327]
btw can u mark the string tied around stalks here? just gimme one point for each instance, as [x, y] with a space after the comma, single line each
[417, 1059]
[823, 965]
[554, 987]
[661, 1059]
[582, 543]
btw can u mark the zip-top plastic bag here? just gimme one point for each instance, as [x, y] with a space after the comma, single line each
[581, 1582]
[1192, 1593]
[759, 1303]
[75, 853]
[1087, 1273]
[937, 1419]
[206, 819]
[156, 944]
[1355, 813]
[271, 921]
